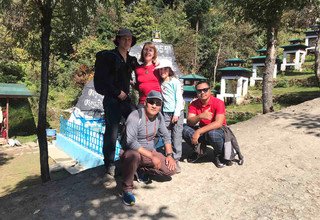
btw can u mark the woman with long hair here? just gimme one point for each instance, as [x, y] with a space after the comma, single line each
[146, 78]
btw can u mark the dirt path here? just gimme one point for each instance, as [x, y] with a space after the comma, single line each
[279, 180]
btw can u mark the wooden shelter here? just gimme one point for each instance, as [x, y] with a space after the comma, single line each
[234, 80]
[311, 38]
[258, 64]
[9, 91]
[293, 54]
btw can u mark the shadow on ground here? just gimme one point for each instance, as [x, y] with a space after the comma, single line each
[310, 123]
[4, 158]
[83, 196]
[22, 185]
[296, 98]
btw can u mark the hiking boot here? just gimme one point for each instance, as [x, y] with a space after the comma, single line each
[178, 168]
[111, 169]
[217, 162]
[228, 163]
[128, 198]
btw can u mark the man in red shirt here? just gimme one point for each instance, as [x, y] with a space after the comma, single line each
[206, 116]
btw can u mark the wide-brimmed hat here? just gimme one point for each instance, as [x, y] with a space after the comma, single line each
[125, 32]
[154, 95]
[164, 63]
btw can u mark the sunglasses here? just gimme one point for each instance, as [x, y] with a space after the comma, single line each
[154, 101]
[202, 90]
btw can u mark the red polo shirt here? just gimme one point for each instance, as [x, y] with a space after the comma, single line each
[215, 105]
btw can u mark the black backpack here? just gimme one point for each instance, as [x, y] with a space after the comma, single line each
[113, 60]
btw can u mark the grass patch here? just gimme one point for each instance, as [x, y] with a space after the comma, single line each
[26, 139]
[283, 97]
[235, 117]
[303, 91]
[22, 170]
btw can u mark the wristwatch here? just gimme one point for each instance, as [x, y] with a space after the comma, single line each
[169, 154]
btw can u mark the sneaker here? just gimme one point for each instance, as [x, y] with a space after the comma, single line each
[128, 198]
[217, 162]
[178, 168]
[142, 177]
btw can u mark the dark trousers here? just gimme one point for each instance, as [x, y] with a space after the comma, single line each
[114, 109]
[215, 138]
[133, 160]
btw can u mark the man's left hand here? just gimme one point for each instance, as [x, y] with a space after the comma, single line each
[171, 163]
[174, 119]
[195, 137]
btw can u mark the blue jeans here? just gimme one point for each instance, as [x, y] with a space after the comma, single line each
[215, 138]
[176, 133]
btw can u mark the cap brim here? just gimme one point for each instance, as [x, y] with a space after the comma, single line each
[155, 97]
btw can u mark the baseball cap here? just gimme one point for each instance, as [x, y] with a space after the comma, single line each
[154, 95]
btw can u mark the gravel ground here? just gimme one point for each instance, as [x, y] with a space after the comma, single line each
[280, 179]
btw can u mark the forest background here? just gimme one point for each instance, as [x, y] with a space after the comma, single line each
[203, 33]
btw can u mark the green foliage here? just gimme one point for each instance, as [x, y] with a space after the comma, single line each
[173, 25]
[196, 10]
[235, 117]
[267, 13]
[282, 83]
[80, 29]
[85, 51]
[10, 72]
[141, 21]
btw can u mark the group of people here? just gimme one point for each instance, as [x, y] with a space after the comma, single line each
[159, 113]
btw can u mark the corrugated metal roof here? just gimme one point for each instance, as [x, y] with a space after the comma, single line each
[193, 76]
[294, 47]
[235, 60]
[262, 50]
[235, 69]
[13, 90]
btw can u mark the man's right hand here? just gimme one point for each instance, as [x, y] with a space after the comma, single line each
[156, 162]
[122, 95]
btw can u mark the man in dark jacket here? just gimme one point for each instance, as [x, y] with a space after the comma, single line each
[112, 77]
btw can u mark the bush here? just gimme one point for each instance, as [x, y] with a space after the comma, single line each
[10, 72]
[282, 83]
[235, 117]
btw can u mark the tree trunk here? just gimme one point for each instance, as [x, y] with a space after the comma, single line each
[317, 59]
[195, 67]
[216, 64]
[267, 86]
[46, 13]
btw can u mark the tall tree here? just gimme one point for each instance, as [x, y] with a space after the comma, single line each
[40, 18]
[196, 10]
[266, 15]
[317, 55]
[316, 4]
